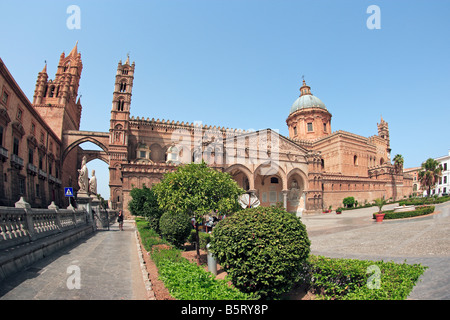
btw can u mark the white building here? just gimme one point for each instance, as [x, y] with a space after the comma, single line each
[443, 186]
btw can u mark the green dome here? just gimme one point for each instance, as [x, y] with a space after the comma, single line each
[307, 101]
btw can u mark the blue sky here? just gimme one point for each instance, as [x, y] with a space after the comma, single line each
[239, 63]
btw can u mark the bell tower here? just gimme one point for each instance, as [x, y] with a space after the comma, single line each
[119, 126]
[56, 100]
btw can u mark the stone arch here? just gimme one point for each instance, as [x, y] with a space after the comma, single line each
[236, 169]
[271, 170]
[83, 139]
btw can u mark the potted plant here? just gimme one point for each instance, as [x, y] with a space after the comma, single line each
[379, 203]
[339, 210]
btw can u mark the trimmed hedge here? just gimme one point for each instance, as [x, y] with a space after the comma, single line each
[262, 249]
[424, 201]
[390, 214]
[352, 279]
[175, 228]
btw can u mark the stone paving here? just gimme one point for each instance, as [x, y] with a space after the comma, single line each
[354, 234]
[109, 266]
[106, 264]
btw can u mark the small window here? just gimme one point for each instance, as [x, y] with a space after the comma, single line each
[19, 114]
[295, 131]
[310, 126]
[42, 137]
[325, 127]
[33, 128]
[142, 154]
[355, 160]
[5, 97]
[22, 186]
[273, 180]
[445, 166]
[16, 146]
[1, 136]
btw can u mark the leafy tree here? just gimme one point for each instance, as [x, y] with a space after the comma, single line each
[429, 174]
[196, 190]
[144, 202]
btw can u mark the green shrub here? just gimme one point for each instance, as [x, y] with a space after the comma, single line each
[348, 278]
[349, 202]
[205, 238]
[175, 228]
[262, 249]
[149, 237]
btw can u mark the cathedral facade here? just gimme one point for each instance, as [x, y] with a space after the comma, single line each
[312, 169]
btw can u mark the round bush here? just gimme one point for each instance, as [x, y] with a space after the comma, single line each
[175, 228]
[262, 249]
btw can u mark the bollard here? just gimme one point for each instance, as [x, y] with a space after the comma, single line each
[212, 263]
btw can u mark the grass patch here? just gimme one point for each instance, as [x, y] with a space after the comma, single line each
[352, 279]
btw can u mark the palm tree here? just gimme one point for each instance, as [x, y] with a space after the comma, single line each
[429, 174]
[379, 202]
[398, 162]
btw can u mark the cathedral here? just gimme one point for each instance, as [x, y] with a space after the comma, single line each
[311, 170]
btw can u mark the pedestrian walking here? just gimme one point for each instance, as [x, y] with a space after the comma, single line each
[120, 220]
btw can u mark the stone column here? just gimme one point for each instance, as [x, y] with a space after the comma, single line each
[285, 194]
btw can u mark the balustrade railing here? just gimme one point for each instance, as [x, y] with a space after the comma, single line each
[22, 225]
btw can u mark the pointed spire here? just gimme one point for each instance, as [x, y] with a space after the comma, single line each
[74, 51]
[45, 68]
[128, 59]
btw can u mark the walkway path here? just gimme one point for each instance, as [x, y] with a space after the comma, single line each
[107, 264]
[425, 240]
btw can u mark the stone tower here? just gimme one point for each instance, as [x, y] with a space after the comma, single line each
[56, 100]
[383, 133]
[119, 128]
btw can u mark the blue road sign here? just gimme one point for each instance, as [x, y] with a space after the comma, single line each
[68, 192]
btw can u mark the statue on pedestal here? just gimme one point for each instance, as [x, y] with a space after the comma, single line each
[93, 184]
[83, 179]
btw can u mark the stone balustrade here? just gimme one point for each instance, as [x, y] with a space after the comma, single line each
[23, 224]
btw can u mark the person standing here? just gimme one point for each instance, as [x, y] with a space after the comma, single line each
[120, 220]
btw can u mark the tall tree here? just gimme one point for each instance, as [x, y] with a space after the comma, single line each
[429, 174]
[197, 190]
[398, 163]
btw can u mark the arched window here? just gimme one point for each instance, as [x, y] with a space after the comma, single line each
[120, 105]
[123, 87]
[273, 180]
[355, 160]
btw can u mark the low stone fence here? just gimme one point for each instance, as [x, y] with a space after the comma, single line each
[28, 234]
[23, 224]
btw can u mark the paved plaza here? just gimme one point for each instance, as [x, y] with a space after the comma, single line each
[354, 234]
[109, 267]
